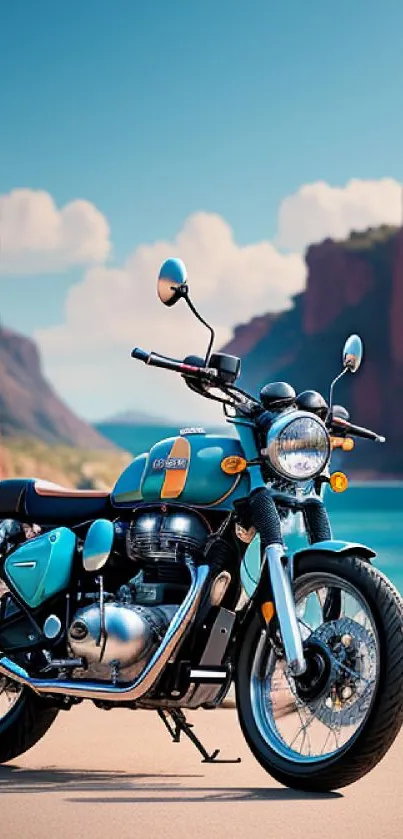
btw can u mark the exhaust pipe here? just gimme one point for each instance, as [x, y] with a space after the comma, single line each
[146, 679]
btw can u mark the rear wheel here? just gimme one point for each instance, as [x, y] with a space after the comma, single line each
[333, 725]
[24, 719]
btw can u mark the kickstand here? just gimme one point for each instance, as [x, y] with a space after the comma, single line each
[182, 726]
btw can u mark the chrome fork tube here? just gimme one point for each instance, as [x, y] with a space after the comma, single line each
[147, 678]
[285, 609]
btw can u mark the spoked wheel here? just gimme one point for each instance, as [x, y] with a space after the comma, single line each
[331, 726]
[10, 694]
[24, 719]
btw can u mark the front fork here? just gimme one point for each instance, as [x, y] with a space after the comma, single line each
[284, 602]
[265, 519]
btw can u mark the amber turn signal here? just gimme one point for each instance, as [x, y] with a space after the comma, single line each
[267, 610]
[338, 482]
[344, 443]
[233, 465]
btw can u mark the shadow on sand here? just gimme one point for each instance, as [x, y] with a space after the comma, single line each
[144, 788]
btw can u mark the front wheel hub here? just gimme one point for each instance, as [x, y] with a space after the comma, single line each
[314, 683]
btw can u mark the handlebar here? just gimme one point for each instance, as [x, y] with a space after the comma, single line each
[140, 354]
[155, 360]
[356, 430]
[210, 374]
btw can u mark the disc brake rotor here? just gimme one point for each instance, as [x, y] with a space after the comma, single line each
[352, 653]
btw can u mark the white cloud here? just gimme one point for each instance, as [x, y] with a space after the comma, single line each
[113, 309]
[318, 210]
[38, 237]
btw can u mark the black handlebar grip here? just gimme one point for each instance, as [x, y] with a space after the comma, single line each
[365, 433]
[356, 430]
[140, 354]
[265, 518]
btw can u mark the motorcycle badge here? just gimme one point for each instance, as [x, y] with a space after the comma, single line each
[176, 467]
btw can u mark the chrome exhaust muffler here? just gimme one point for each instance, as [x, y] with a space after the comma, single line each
[147, 678]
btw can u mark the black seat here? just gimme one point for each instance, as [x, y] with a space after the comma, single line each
[39, 502]
[12, 494]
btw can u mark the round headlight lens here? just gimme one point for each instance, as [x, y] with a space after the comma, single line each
[298, 449]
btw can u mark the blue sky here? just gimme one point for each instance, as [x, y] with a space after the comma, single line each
[154, 111]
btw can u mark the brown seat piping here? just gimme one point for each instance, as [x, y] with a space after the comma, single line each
[54, 491]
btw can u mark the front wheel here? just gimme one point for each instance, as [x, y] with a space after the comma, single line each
[330, 727]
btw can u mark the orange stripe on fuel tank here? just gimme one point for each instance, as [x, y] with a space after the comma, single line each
[175, 479]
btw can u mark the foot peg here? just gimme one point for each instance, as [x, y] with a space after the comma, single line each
[180, 725]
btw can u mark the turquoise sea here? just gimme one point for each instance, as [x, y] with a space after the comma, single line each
[367, 513]
[372, 514]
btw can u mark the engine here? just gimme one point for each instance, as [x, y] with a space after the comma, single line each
[119, 639]
[166, 535]
[116, 633]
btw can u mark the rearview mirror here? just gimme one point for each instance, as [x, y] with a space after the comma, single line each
[172, 281]
[352, 353]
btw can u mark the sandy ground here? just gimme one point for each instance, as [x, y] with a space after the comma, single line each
[116, 774]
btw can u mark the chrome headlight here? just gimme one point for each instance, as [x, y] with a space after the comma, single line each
[298, 446]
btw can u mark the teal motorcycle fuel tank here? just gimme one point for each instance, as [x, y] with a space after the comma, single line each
[202, 470]
[41, 567]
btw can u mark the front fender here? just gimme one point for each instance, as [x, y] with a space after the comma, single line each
[336, 546]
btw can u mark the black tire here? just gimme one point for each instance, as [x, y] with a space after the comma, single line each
[385, 717]
[26, 723]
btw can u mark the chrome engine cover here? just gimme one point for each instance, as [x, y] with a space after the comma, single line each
[155, 535]
[132, 634]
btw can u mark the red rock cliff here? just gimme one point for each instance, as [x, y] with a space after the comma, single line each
[352, 286]
[330, 288]
[247, 335]
[396, 305]
[28, 404]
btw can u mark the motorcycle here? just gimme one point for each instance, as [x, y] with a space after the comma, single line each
[135, 598]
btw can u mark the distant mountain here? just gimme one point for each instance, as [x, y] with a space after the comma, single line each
[29, 407]
[137, 438]
[132, 418]
[352, 286]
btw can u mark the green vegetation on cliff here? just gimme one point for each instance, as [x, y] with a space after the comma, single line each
[74, 467]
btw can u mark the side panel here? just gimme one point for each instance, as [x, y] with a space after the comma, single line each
[186, 469]
[41, 567]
